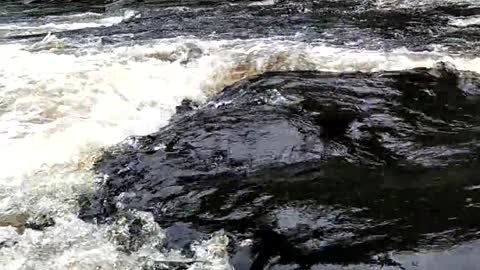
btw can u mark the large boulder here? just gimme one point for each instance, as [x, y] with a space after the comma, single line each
[315, 167]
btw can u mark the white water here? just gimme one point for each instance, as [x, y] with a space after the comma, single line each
[463, 22]
[59, 23]
[395, 4]
[59, 107]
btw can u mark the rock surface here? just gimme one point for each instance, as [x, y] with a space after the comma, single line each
[316, 167]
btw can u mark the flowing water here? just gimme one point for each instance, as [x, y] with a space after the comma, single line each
[78, 76]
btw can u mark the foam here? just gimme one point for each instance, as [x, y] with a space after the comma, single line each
[58, 110]
[464, 22]
[395, 4]
[64, 23]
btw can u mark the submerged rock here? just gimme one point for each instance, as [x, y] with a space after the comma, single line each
[316, 168]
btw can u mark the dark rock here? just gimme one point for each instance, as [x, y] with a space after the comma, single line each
[180, 237]
[316, 167]
[40, 222]
[186, 106]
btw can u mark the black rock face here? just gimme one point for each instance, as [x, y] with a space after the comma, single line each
[315, 167]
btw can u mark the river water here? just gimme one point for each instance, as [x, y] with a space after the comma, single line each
[78, 76]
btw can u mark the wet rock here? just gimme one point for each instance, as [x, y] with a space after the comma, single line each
[187, 105]
[180, 237]
[40, 222]
[317, 168]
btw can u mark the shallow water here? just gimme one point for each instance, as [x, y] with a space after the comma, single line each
[76, 77]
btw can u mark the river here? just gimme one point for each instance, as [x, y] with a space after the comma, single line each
[79, 76]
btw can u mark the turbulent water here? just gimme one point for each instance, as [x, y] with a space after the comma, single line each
[79, 76]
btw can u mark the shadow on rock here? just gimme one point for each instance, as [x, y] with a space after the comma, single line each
[316, 168]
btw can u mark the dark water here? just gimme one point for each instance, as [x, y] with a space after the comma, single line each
[347, 136]
[366, 24]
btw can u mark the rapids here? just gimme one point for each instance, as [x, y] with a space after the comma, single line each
[77, 77]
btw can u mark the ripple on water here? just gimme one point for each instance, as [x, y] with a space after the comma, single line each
[66, 95]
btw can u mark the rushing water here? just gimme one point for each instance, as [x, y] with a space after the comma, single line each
[78, 76]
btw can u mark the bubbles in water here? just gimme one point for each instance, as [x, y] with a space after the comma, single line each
[392, 4]
[59, 107]
[65, 23]
[464, 22]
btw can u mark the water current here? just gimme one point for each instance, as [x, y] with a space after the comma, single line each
[79, 76]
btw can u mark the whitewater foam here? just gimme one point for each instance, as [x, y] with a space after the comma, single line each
[463, 22]
[393, 4]
[65, 23]
[59, 109]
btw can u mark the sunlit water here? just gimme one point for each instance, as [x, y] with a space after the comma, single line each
[62, 100]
